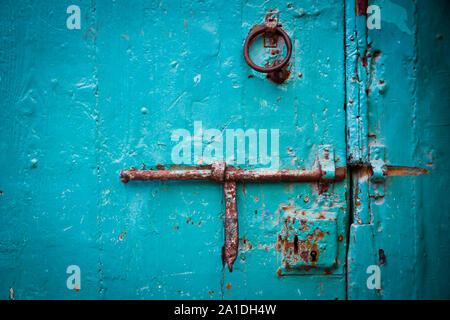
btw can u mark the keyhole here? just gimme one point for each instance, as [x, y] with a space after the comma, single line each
[296, 245]
[313, 255]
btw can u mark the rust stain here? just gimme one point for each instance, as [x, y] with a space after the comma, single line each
[323, 187]
[305, 268]
[295, 249]
[288, 207]
[229, 286]
[304, 225]
[278, 76]
[364, 61]
[304, 256]
[279, 272]
[159, 166]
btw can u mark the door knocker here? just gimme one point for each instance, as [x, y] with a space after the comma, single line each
[278, 72]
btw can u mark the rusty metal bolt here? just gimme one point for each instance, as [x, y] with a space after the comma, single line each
[125, 176]
[218, 171]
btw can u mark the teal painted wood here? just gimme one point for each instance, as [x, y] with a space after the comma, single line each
[80, 105]
[87, 103]
[407, 98]
[48, 153]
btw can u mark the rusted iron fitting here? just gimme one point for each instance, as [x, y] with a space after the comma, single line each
[277, 70]
[271, 21]
[231, 246]
[220, 172]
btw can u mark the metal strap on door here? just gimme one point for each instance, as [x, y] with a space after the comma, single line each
[229, 175]
[219, 172]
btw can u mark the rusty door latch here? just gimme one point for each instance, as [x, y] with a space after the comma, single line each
[229, 175]
[325, 173]
[271, 30]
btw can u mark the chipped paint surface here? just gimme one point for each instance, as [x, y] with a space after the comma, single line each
[87, 103]
[306, 241]
[81, 105]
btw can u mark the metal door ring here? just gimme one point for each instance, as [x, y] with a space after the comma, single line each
[260, 30]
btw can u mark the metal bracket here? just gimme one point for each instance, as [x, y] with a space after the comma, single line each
[378, 164]
[377, 156]
[271, 38]
[325, 154]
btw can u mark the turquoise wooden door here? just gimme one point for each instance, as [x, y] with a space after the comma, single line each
[162, 85]
[84, 104]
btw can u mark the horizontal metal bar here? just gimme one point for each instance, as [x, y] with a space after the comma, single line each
[230, 174]
[148, 175]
